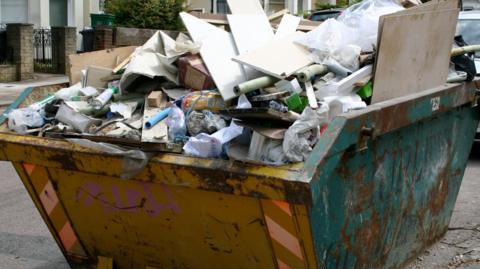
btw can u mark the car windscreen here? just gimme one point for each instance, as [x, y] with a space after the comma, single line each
[324, 16]
[470, 30]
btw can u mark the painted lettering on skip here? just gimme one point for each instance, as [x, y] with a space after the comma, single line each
[138, 200]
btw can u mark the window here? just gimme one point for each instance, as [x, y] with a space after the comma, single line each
[13, 11]
[222, 7]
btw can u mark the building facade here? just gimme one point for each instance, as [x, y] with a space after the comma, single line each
[270, 6]
[47, 13]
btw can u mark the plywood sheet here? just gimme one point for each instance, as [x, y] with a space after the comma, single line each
[250, 32]
[426, 7]
[217, 50]
[287, 26]
[414, 52]
[104, 58]
[245, 7]
[279, 58]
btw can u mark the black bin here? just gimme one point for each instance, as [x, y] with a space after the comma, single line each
[88, 39]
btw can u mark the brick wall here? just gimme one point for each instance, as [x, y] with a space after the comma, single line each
[65, 39]
[103, 37]
[8, 73]
[20, 42]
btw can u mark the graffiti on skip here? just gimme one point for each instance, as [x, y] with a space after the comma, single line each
[138, 199]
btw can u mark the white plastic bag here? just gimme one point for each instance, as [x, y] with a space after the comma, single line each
[19, 120]
[67, 93]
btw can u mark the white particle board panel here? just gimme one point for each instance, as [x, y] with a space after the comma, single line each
[414, 52]
[250, 32]
[287, 26]
[245, 7]
[217, 50]
[279, 58]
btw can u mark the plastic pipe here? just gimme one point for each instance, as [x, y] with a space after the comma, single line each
[254, 84]
[309, 72]
[463, 50]
[157, 118]
[339, 70]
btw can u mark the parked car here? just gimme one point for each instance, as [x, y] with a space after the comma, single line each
[469, 27]
[323, 15]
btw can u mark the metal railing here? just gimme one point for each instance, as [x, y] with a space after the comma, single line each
[43, 50]
[4, 55]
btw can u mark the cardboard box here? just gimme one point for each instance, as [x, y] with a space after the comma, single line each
[194, 74]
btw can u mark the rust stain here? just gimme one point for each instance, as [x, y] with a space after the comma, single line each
[438, 194]
[368, 237]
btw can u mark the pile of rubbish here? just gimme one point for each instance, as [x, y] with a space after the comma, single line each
[252, 94]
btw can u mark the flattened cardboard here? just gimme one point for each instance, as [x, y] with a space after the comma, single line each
[103, 58]
[96, 77]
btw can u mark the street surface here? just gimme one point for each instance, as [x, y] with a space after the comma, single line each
[10, 91]
[26, 243]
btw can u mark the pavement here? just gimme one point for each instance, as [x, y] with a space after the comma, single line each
[10, 91]
[25, 242]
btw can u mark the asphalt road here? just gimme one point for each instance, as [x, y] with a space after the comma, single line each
[26, 243]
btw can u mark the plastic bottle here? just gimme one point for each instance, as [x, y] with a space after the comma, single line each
[104, 97]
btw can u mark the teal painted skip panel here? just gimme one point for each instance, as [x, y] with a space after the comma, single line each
[380, 206]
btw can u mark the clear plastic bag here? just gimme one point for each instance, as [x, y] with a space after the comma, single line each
[342, 39]
[176, 123]
[302, 136]
[204, 122]
[203, 145]
[364, 17]
[19, 120]
[133, 161]
[329, 36]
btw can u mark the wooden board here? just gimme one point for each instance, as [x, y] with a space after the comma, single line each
[426, 7]
[288, 25]
[245, 7]
[279, 58]
[263, 113]
[414, 53]
[217, 50]
[104, 58]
